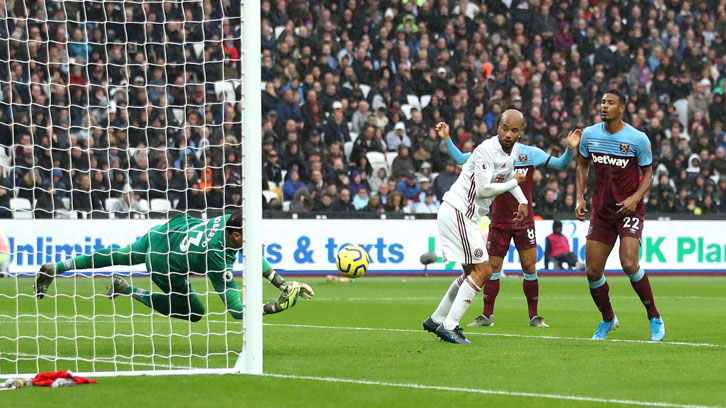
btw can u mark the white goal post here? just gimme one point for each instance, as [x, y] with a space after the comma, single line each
[124, 114]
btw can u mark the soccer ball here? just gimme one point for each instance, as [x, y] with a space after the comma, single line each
[352, 261]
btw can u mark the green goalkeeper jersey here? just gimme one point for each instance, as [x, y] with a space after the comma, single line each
[187, 244]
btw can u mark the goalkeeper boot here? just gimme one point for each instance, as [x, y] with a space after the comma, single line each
[482, 321]
[455, 336]
[603, 328]
[657, 329]
[45, 278]
[118, 287]
[538, 321]
[288, 297]
[430, 325]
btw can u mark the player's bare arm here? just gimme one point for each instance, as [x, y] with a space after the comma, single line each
[523, 209]
[627, 206]
[522, 212]
[442, 129]
[583, 168]
[573, 139]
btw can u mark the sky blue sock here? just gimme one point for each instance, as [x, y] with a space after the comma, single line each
[596, 284]
[637, 276]
[496, 276]
[530, 276]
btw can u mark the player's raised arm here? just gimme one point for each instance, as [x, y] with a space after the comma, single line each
[583, 169]
[442, 129]
[562, 162]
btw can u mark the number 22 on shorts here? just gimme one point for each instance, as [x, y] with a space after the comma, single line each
[631, 222]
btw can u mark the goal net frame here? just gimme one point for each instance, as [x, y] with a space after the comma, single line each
[250, 357]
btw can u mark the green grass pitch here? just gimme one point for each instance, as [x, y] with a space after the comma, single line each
[361, 343]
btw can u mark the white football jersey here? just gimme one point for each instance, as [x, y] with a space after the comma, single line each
[490, 159]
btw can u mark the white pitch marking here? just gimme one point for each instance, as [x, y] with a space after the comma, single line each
[490, 392]
[311, 326]
[418, 386]
[100, 360]
[469, 333]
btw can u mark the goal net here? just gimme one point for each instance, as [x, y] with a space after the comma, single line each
[118, 116]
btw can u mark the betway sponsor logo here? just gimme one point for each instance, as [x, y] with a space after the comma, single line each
[523, 170]
[610, 160]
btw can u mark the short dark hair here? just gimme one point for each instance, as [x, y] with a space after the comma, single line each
[617, 92]
[234, 223]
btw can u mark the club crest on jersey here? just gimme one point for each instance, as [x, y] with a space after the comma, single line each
[523, 158]
[489, 245]
[624, 147]
[478, 252]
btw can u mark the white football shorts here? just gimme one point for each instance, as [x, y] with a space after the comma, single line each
[461, 239]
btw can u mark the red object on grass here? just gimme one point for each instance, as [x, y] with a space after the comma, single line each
[47, 379]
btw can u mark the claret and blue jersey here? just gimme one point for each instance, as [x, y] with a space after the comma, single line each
[530, 157]
[616, 160]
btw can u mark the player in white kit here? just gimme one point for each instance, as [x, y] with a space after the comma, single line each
[488, 172]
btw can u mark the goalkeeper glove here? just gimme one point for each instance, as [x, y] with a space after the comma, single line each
[288, 297]
[44, 278]
[306, 292]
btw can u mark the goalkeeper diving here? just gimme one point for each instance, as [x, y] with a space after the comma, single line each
[170, 252]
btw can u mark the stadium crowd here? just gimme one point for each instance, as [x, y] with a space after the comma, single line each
[136, 101]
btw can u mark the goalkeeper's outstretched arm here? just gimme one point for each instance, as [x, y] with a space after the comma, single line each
[306, 292]
[226, 286]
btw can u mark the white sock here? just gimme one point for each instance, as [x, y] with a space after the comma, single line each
[468, 290]
[440, 314]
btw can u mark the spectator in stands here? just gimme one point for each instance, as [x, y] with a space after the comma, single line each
[409, 187]
[367, 142]
[272, 169]
[357, 181]
[374, 205]
[6, 193]
[269, 100]
[379, 176]
[293, 158]
[549, 207]
[557, 249]
[82, 199]
[718, 163]
[397, 203]
[287, 108]
[325, 202]
[301, 202]
[402, 164]
[292, 184]
[472, 61]
[428, 205]
[445, 180]
[360, 199]
[397, 137]
[360, 117]
[425, 183]
[343, 203]
[698, 100]
[126, 204]
[337, 129]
